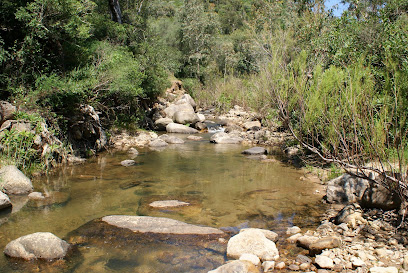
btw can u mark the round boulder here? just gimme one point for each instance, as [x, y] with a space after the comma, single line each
[14, 181]
[180, 128]
[4, 201]
[40, 245]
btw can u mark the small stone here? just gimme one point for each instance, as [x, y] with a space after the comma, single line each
[128, 162]
[292, 239]
[255, 151]
[236, 266]
[294, 267]
[250, 258]
[195, 138]
[268, 266]
[133, 151]
[36, 196]
[158, 143]
[357, 262]
[324, 243]
[293, 230]
[405, 262]
[168, 204]
[280, 265]
[324, 262]
[304, 266]
[303, 259]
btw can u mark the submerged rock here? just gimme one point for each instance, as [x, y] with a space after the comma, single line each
[40, 245]
[168, 204]
[158, 143]
[128, 163]
[14, 181]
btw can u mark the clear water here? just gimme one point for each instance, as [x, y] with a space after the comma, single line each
[225, 188]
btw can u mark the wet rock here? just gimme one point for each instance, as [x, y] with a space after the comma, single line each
[250, 258]
[133, 152]
[159, 225]
[268, 266]
[304, 266]
[161, 123]
[195, 138]
[324, 262]
[255, 151]
[168, 204]
[251, 125]
[40, 245]
[181, 129]
[252, 242]
[224, 138]
[7, 111]
[129, 185]
[305, 241]
[303, 259]
[14, 181]
[270, 235]
[377, 196]
[346, 189]
[324, 243]
[171, 139]
[350, 215]
[128, 163]
[292, 239]
[200, 126]
[36, 196]
[294, 267]
[236, 266]
[54, 198]
[4, 201]
[158, 143]
[293, 230]
[390, 269]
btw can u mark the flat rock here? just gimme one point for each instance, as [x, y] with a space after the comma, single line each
[379, 269]
[255, 151]
[168, 204]
[252, 242]
[305, 241]
[128, 163]
[40, 245]
[224, 138]
[324, 262]
[158, 143]
[36, 196]
[14, 181]
[324, 243]
[180, 128]
[158, 225]
[4, 201]
[195, 138]
[236, 267]
[171, 139]
[293, 230]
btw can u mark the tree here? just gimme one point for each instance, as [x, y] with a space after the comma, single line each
[116, 13]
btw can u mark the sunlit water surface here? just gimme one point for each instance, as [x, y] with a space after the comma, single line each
[225, 188]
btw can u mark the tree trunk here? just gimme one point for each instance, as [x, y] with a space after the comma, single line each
[114, 8]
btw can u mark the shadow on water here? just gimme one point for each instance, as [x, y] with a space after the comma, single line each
[224, 189]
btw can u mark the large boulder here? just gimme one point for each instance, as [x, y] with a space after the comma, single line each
[377, 196]
[346, 189]
[224, 138]
[161, 123]
[14, 181]
[235, 267]
[40, 245]
[186, 98]
[181, 113]
[254, 242]
[180, 128]
[171, 139]
[4, 201]
[7, 111]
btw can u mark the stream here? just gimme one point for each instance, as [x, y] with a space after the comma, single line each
[225, 190]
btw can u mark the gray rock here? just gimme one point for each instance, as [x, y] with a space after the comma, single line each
[7, 111]
[128, 162]
[270, 235]
[187, 98]
[40, 245]
[303, 259]
[224, 138]
[200, 126]
[195, 138]
[158, 225]
[351, 215]
[171, 139]
[161, 123]
[179, 128]
[255, 151]
[4, 201]
[168, 204]
[22, 126]
[201, 117]
[236, 267]
[133, 152]
[324, 262]
[377, 196]
[306, 240]
[346, 189]
[251, 124]
[185, 117]
[14, 181]
[253, 242]
[324, 243]
[36, 196]
[181, 113]
[293, 230]
[158, 143]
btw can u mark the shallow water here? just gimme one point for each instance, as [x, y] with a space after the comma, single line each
[225, 188]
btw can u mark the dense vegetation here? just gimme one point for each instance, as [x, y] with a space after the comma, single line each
[339, 84]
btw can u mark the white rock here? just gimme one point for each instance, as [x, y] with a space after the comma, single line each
[357, 262]
[268, 266]
[36, 196]
[4, 201]
[250, 258]
[14, 181]
[390, 269]
[293, 230]
[168, 203]
[324, 262]
[280, 265]
[270, 235]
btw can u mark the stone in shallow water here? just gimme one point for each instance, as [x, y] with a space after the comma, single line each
[255, 151]
[128, 163]
[4, 201]
[168, 203]
[40, 245]
[236, 266]
[14, 181]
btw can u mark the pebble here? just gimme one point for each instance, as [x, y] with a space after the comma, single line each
[280, 265]
[268, 266]
[324, 262]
